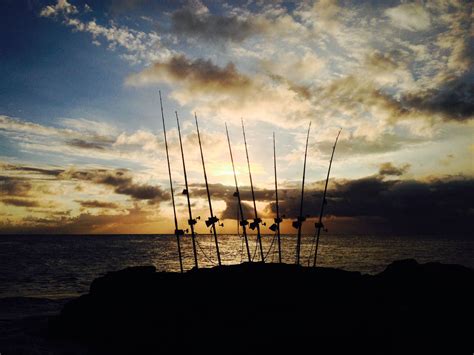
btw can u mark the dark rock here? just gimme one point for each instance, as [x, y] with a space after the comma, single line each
[262, 308]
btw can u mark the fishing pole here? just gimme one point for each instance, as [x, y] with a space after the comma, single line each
[243, 222]
[178, 232]
[256, 221]
[319, 225]
[212, 220]
[299, 222]
[275, 227]
[191, 221]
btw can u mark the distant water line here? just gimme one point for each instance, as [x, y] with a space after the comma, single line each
[64, 266]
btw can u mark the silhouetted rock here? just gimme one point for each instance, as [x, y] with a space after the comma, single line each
[262, 308]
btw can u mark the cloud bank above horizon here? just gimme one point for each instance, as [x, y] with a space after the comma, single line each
[82, 148]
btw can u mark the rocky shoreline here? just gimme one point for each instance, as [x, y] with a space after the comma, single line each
[263, 308]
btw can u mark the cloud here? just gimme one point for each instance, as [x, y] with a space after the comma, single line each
[204, 25]
[85, 223]
[411, 17]
[195, 75]
[433, 205]
[390, 169]
[224, 192]
[363, 144]
[79, 143]
[10, 186]
[437, 205]
[19, 202]
[121, 180]
[453, 99]
[140, 139]
[97, 204]
[78, 137]
[29, 169]
[62, 7]
[231, 210]
[139, 46]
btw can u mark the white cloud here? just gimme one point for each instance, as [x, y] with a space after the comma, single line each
[62, 7]
[412, 17]
[140, 47]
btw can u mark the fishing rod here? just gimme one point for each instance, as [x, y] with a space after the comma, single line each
[191, 221]
[299, 221]
[212, 220]
[243, 222]
[256, 221]
[178, 232]
[319, 225]
[275, 227]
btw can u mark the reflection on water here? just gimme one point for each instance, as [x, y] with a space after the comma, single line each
[61, 266]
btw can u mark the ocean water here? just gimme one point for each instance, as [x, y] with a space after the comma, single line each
[57, 267]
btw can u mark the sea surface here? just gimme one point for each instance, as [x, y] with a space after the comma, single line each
[63, 266]
[39, 274]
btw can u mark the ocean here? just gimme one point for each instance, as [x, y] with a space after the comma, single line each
[63, 266]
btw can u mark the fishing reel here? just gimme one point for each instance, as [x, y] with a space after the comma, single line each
[235, 194]
[243, 223]
[179, 232]
[299, 221]
[192, 222]
[211, 220]
[185, 192]
[319, 225]
[277, 221]
[255, 223]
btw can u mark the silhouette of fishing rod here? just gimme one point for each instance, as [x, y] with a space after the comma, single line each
[319, 225]
[178, 232]
[191, 221]
[212, 220]
[299, 221]
[256, 221]
[275, 227]
[243, 222]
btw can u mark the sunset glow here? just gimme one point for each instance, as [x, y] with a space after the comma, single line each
[82, 147]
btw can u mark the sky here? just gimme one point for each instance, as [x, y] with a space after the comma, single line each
[81, 138]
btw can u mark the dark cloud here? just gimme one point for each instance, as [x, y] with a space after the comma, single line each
[121, 181]
[431, 206]
[354, 95]
[358, 145]
[390, 169]
[85, 223]
[204, 72]
[10, 186]
[49, 172]
[454, 99]
[383, 61]
[97, 204]
[303, 91]
[212, 27]
[79, 143]
[231, 210]
[401, 206]
[20, 202]
[198, 74]
[225, 192]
